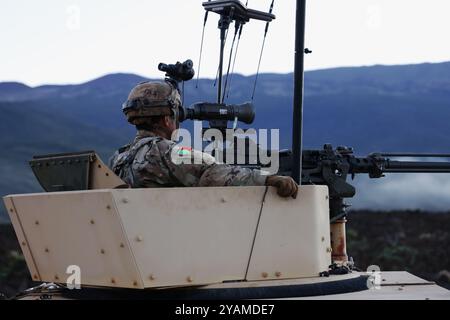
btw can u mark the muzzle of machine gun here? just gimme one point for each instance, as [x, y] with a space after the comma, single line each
[223, 112]
[179, 71]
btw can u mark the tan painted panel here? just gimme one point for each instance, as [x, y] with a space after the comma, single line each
[190, 236]
[412, 292]
[21, 237]
[400, 278]
[101, 177]
[77, 228]
[293, 237]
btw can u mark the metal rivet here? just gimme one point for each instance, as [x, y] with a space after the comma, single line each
[277, 274]
[99, 166]
[108, 207]
[383, 280]
[223, 200]
[113, 281]
[329, 250]
[47, 250]
[400, 289]
[107, 174]
[24, 243]
[35, 276]
[11, 210]
[139, 239]
[189, 279]
[102, 251]
[264, 275]
[36, 223]
[125, 200]
[323, 239]
[152, 277]
[122, 245]
[92, 222]
[56, 277]
[135, 283]
[327, 198]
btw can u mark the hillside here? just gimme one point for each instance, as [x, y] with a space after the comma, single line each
[378, 108]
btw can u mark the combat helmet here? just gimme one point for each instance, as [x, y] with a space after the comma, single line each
[151, 99]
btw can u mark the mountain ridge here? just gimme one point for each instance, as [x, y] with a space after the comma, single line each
[378, 108]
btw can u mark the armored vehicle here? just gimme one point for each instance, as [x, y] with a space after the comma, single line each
[89, 236]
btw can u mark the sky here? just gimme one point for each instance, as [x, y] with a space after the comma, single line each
[62, 41]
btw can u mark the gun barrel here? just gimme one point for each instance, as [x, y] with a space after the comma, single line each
[416, 155]
[416, 167]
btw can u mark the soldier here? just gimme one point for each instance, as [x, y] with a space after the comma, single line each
[153, 159]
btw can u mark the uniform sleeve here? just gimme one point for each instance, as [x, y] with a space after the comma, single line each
[197, 169]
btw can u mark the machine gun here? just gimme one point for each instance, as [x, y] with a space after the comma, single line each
[334, 167]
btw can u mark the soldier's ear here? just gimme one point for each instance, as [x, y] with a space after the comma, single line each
[167, 121]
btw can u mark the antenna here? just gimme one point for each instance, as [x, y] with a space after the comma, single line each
[262, 52]
[229, 11]
[297, 128]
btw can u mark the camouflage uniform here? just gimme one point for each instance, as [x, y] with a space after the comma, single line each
[148, 163]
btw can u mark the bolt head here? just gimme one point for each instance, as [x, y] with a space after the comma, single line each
[102, 251]
[264, 275]
[278, 274]
[152, 277]
[189, 279]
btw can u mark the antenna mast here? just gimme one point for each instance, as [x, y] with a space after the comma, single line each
[297, 128]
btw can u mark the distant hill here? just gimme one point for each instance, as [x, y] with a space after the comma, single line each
[378, 108]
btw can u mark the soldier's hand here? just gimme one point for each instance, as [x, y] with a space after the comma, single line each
[286, 186]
